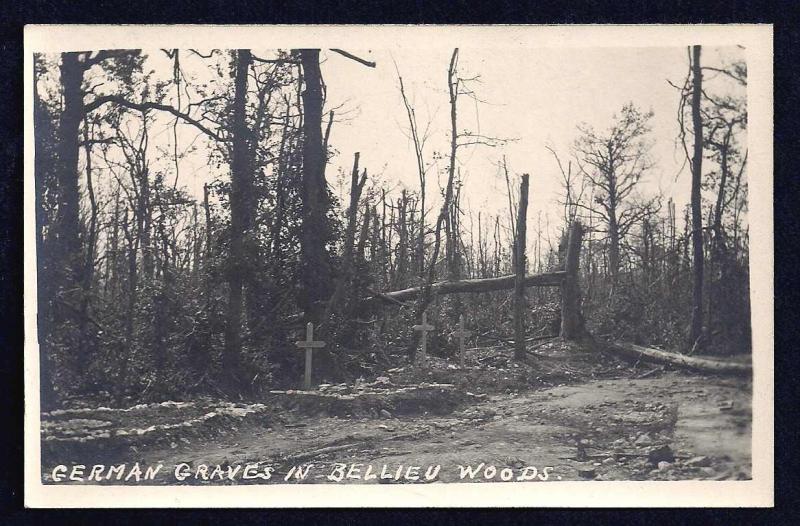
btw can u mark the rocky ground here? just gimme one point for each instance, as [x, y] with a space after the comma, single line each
[571, 412]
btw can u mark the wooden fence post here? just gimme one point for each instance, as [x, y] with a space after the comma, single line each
[571, 326]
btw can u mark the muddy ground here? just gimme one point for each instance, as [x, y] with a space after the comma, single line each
[571, 412]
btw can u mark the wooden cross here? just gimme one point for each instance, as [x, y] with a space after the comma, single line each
[462, 333]
[309, 345]
[424, 328]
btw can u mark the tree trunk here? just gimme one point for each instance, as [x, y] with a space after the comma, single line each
[241, 218]
[84, 347]
[613, 248]
[132, 239]
[720, 205]
[452, 86]
[519, 267]
[283, 166]
[207, 210]
[697, 218]
[315, 268]
[68, 221]
[145, 212]
[345, 278]
[571, 326]
[46, 180]
[161, 311]
[402, 242]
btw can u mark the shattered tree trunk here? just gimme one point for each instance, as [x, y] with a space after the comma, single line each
[345, 278]
[681, 360]
[519, 267]
[571, 326]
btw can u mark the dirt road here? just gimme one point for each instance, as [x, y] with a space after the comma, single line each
[671, 427]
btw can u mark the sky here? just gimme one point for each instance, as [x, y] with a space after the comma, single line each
[533, 97]
[537, 98]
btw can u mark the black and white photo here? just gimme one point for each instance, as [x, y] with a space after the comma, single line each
[519, 258]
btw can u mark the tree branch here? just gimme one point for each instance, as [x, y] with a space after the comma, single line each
[144, 106]
[353, 57]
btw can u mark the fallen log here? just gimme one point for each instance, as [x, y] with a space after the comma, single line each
[399, 297]
[549, 279]
[706, 365]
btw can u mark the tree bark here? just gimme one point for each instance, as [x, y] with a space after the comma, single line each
[68, 220]
[315, 268]
[613, 247]
[697, 217]
[241, 218]
[520, 261]
[207, 210]
[571, 326]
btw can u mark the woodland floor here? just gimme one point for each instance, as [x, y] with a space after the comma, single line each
[580, 411]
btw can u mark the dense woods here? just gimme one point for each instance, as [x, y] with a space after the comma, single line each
[150, 289]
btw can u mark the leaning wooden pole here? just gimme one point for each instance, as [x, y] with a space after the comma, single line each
[519, 270]
[571, 326]
[463, 286]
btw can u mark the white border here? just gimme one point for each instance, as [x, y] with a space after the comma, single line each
[757, 492]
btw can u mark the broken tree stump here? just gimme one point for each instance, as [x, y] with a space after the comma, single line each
[571, 326]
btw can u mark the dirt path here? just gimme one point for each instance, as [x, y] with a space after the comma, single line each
[659, 428]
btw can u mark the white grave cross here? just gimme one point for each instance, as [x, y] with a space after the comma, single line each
[424, 328]
[309, 345]
[462, 333]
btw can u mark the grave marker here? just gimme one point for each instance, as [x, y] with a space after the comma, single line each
[309, 345]
[462, 333]
[424, 328]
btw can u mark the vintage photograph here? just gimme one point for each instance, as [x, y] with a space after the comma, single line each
[428, 263]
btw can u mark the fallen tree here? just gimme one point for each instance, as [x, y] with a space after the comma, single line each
[549, 279]
[399, 297]
[689, 362]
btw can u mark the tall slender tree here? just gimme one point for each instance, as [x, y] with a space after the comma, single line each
[697, 212]
[315, 265]
[242, 211]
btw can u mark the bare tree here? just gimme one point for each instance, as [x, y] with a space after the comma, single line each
[418, 139]
[697, 217]
[614, 162]
[573, 194]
